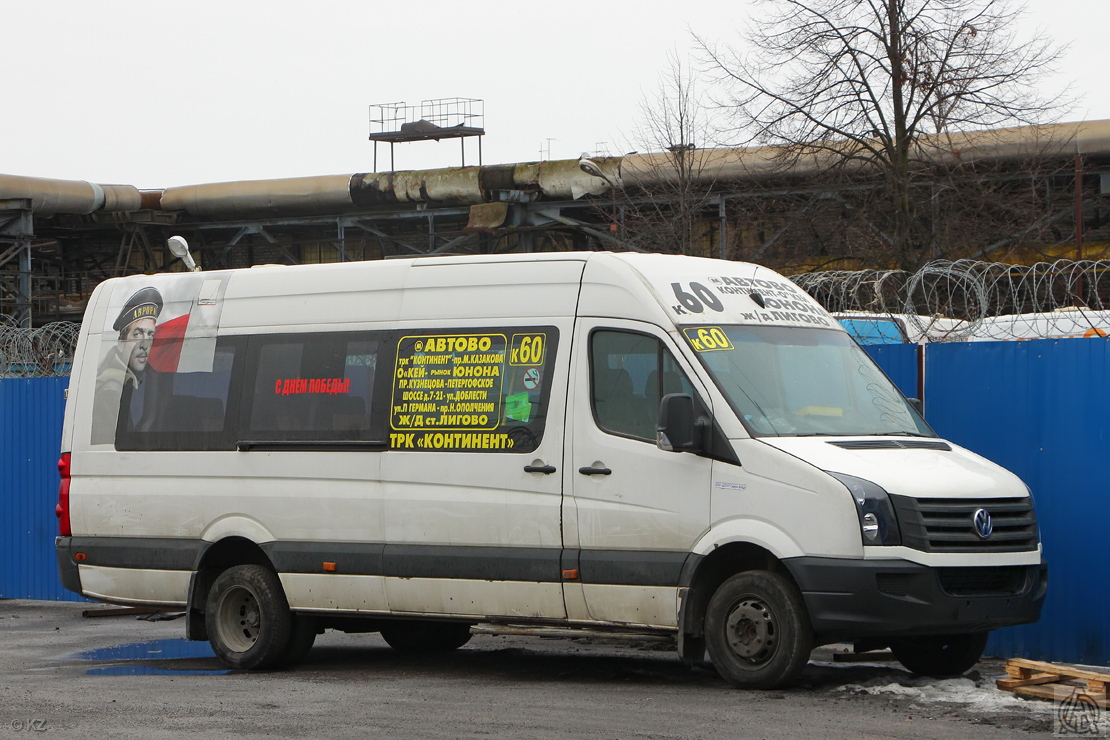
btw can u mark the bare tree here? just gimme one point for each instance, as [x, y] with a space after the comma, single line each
[668, 194]
[874, 87]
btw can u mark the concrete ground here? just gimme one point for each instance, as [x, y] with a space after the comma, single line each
[64, 675]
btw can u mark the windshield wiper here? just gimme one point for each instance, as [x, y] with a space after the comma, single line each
[892, 434]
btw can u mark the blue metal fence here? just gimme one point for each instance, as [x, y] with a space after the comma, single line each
[30, 429]
[1040, 408]
[899, 362]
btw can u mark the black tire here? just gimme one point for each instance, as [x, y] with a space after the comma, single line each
[940, 656]
[757, 631]
[248, 618]
[302, 636]
[426, 637]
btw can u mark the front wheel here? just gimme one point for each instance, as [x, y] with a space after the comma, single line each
[248, 618]
[757, 631]
[426, 637]
[302, 635]
[940, 656]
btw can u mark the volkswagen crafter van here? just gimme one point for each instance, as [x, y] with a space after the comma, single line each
[626, 442]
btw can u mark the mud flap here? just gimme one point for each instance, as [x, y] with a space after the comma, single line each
[194, 617]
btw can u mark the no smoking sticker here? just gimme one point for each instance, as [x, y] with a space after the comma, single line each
[532, 378]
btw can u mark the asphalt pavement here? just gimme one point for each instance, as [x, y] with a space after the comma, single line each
[66, 675]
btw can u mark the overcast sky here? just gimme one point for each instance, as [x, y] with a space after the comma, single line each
[157, 93]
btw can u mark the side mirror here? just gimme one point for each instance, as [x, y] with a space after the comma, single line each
[917, 406]
[680, 429]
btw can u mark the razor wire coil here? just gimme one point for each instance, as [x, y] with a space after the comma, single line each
[943, 301]
[42, 352]
[974, 299]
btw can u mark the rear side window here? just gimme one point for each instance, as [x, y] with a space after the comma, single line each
[472, 390]
[182, 410]
[312, 388]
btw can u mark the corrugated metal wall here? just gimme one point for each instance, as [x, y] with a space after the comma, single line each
[30, 430]
[1040, 408]
[899, 362]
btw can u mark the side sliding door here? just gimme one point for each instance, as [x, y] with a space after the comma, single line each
[472, 478]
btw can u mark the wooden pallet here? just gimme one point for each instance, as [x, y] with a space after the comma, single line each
[1052, 681]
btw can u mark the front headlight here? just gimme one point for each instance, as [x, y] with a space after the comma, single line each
[877, 523]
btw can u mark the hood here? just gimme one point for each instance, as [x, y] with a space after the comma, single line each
[913, 471]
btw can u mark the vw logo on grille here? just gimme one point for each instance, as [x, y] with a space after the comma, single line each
[983, 524]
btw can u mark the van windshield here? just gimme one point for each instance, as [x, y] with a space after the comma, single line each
[793, 381]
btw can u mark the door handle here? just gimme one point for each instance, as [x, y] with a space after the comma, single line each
[595, 471]
[545, 469]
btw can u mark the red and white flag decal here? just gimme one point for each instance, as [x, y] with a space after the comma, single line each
[185, 335]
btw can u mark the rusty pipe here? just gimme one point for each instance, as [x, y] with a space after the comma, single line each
[49, 195]
[553, 180]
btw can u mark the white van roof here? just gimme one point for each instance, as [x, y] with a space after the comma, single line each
[686, 290]
[697, 290]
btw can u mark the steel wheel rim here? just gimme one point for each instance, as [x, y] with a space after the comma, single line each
[751, 630]
[239, 618]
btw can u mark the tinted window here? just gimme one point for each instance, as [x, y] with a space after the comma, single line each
[471, 390]
[629, 374]
[467, 391]
[181, 410]
[312, 387]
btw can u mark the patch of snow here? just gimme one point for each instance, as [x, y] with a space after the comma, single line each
[951, 690]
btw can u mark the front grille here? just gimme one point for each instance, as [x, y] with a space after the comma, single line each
[947, 524]
[892, 444]
[998, 581]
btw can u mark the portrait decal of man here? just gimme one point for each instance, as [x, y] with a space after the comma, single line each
[121, 372]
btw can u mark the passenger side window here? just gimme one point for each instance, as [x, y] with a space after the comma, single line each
[172, 410]
[312, 387]
[629, 375]
[472, 390]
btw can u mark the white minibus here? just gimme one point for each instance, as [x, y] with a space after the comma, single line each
[618, 441]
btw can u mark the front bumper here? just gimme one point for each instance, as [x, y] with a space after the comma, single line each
[851, 600]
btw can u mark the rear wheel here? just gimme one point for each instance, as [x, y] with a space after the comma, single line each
[757, 631]
[426, 637]
[940, 656]
[248, 618]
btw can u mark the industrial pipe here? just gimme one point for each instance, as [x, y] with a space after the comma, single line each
[69, 196]
[553, 180]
